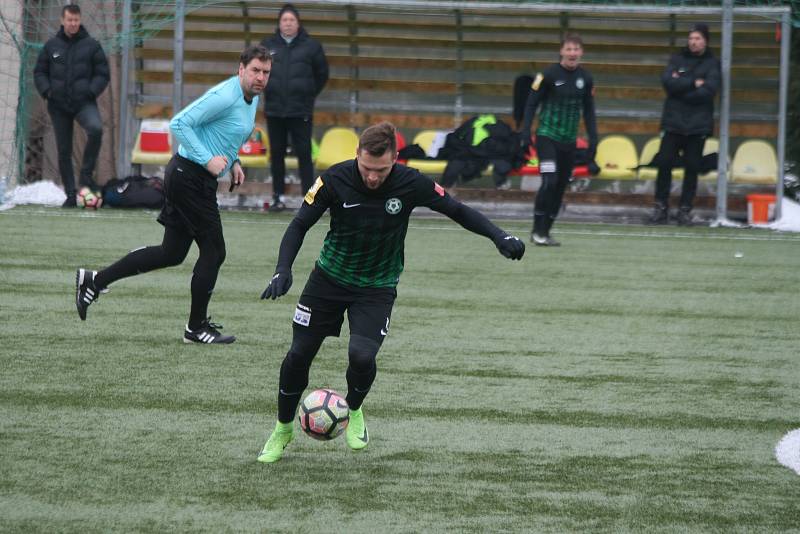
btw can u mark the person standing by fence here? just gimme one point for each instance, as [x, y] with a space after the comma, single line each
[299, 73]
[71, 72]
[691, 80]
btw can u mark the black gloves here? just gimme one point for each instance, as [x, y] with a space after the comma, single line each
[524, 140]
[278, 286]
[594, 168]
[510, 246]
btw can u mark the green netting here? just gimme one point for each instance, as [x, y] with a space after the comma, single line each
[26, 142]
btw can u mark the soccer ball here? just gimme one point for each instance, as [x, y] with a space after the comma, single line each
[89, 199]
[324, 414]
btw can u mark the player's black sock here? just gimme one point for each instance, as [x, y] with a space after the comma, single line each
[293, 382]
[171, 251]
[538, 223]
[548, 224]
[362, 369]
[294, 374]
[204, 277]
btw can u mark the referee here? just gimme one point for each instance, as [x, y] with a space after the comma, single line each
[564, 90]
[370, 200]
[210, 131]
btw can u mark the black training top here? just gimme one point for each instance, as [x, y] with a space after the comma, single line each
[364, 246]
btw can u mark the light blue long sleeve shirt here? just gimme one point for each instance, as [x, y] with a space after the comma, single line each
[216, 124]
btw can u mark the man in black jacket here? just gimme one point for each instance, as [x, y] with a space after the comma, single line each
[299, 73]
[691, 80]
[71, 72]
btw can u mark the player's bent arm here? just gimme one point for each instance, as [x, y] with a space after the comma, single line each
[469, 218]
[590, 121]
[508, 245]
[292, 240]
[202, 111]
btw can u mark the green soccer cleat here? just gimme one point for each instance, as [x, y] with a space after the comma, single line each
[356, 434]
[278, 440]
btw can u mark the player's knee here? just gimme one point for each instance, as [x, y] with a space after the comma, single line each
[221, 253]
[173, 256]
[302, 351]
[362, 352]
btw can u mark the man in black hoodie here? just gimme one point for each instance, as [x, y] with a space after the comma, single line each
[71, 72]
[299, 73]
[691, 80]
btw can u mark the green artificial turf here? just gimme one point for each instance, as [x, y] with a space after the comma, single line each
[634, 380]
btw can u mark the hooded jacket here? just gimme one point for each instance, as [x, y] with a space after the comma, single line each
[689, 110]
[71, 71]
[299, 73]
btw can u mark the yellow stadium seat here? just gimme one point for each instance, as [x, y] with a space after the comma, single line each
[431, 167]
[648, 153]
[711, 146]
[338, 144]
[755, 162]
[616, 157]
[651, 149]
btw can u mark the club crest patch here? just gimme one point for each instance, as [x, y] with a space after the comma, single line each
[393, 206]
[579, 83]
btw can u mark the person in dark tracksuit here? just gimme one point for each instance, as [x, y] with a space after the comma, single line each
[71, 72]
[370, 200]
[210, 131]
[691, 80]
[565, 90]
[299, 73]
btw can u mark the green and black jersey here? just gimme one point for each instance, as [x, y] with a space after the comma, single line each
[365, 244]
[563, 94]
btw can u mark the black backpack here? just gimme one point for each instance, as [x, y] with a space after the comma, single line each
[134, 192]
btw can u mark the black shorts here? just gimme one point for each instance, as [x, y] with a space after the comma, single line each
[321, 308]
[555, 156]
[191, 198]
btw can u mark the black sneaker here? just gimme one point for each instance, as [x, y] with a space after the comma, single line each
[684, 217]
[70, 202]
[277, 207]
[207, 333]
[660, 215]
[544, 240]
[85, 291]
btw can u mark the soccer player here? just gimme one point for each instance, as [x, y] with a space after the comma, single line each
[210, 131]
[370, 200]
[564, 90]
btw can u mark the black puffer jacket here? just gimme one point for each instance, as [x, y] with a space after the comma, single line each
[71, 71]
[299, 73]
[689, 110]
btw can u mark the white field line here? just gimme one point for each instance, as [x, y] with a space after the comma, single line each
[448, 228]
[787, 451]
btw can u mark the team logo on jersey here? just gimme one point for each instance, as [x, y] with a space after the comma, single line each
[309, 198]
[537, 82]
[579, 83]
[393, 206]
